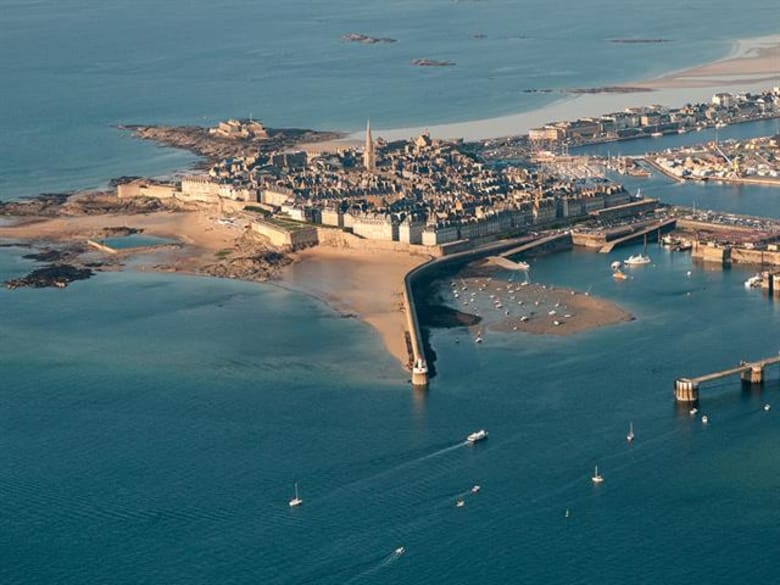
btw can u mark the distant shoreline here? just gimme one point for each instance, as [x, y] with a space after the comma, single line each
[749, 65]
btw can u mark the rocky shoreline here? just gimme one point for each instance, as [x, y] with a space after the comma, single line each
[56, 275]
[213, 148]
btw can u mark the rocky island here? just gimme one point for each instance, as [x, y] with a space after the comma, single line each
[639, 41]
[366, 40]
[432, 63]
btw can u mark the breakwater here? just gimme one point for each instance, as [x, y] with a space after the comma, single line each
[417, 281]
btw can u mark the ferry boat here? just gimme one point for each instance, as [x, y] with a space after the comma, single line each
[479, 435]
[637, 260]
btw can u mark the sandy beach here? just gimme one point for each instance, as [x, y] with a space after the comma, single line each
[751, 65]
[367, 284]
[513, 306]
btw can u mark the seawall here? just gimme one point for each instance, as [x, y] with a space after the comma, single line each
[417, 280]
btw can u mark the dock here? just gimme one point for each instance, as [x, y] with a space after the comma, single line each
[651, 230]
[687, 389]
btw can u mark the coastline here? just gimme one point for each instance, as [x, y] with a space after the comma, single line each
[364, 283]
[750, 64]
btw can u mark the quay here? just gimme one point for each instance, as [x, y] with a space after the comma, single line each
[687, 389]
[651, 231]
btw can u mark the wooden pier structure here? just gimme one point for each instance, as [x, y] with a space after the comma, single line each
[687, 389]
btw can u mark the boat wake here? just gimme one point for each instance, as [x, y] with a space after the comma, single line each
[383, 563]
[383, 474]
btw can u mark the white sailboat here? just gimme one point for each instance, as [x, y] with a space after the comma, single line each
[630, 436]
[297, 500]
[597, 477]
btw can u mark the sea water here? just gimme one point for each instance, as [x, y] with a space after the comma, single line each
[72, 70]
[152, 426]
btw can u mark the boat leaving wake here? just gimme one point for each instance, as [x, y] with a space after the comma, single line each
[385, 562]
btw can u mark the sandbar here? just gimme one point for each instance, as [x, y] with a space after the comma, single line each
[539, 309]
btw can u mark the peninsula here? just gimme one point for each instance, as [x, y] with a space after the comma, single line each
[372, 230]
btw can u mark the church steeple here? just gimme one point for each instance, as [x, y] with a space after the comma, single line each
[369, 155]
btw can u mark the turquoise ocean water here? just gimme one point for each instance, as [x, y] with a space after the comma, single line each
[152, 426]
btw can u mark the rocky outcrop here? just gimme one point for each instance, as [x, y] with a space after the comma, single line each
[56, 275]
[366, 40]
[214, 148]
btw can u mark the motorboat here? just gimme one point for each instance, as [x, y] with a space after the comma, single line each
[704, 419]
[637, 260]
[479, 435]
[460, 503]
[617, 275]
[475, 489]
[767, 407]
[693, 411]
[478, 338]
[597, 477]
[297, 500]
[753, 282]
[399, 551]
[630, 436]
[616, 265]
[523, 265]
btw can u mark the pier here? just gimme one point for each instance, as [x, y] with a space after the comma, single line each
[651, 230]
[687, 389]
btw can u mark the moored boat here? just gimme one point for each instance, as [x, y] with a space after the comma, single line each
[637, 260]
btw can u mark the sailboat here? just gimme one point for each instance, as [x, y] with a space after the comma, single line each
[296, 501]
[597, 478]
[630, 436]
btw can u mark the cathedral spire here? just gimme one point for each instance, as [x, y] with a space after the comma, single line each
[369, 155]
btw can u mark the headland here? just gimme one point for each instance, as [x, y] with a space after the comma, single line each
[356, 223]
